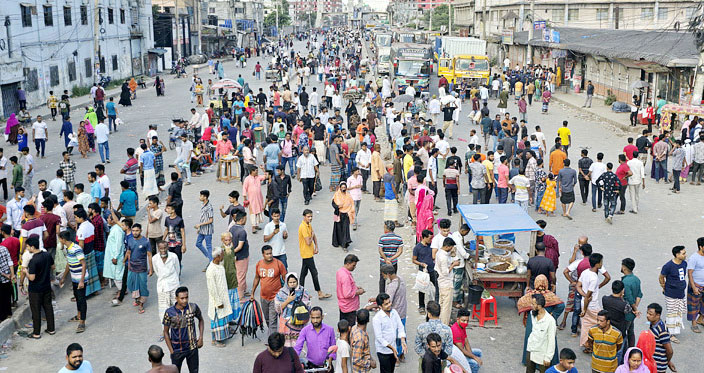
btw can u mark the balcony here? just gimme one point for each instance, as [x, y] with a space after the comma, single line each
[136, 32]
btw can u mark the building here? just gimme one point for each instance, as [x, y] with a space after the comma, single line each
[501, 15]
[237, 23]
[405, 11]
[57, 45]
[304, 7]
[614, 60]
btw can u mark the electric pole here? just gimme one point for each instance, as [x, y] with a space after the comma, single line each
[96, 41]
[430, 19]
[199, 24]
[696, 25]
[530, 32]
[449, 18]
[484, 17]
[178, 30]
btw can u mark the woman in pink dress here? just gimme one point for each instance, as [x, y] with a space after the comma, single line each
[252, 192]
[424, 207]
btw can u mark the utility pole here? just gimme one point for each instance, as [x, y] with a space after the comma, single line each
[484, 18]
[278, 32]
[530, 32]
[96, 41]
[695, 26]
[199, 25]
[449, 18]
[178, 30]
[430, 19]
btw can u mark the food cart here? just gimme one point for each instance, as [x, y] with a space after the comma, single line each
[493, 263]
[673, 115]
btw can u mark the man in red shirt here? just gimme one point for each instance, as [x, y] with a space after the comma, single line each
[12, 244]
[622, 172]
[52, 223]
[629, 149]
[270, 272]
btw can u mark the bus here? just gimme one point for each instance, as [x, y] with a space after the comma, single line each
[412, 64]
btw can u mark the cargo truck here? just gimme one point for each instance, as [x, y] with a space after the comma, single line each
[462, 58]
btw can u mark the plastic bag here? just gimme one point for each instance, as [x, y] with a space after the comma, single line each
[423, 284]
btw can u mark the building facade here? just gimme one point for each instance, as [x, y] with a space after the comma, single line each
[56, 45]
[298, 8]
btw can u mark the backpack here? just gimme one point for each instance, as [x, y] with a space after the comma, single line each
[300, 315]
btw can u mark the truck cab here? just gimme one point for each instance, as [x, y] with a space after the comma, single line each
[472, 67]
[445, 67]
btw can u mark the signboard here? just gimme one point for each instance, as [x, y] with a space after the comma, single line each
[413, 52]
[227, 23]
[539, 25]
[558, 53]
[507, 37]
[551, 36]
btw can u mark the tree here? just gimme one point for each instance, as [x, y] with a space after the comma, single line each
[284, 18]
[440, 16]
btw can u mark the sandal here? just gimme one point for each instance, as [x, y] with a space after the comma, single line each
[695, 328]
[140, 310]
[50, 333]
[324, 296]
[34, 336]
[74, 319]
[29, 325]
[81, 328]
[674, 339]
[218, 344]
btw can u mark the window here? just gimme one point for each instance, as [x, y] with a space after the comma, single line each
[54, 75]
[67, 16]
[122, 16]
[558, 15]
[26, 12]
[102, 65]
[111, 16]
[213, 20]
[31, 80]
[602, 14]
[71, 71]
[84, 15]
[211, 10]
[662, 13]
[89, 67]
[114, 62]
[646, 14]
[572, 14]
[48, 17]
[100, 16]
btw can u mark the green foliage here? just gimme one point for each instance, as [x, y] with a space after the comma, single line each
[440, 16]
[77, 91]
[610, 98]
[284, 17]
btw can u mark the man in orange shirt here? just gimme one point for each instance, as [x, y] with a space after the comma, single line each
[224, 146]
[270, 272]
[557, 158]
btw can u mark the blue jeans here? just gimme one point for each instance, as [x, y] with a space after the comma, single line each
[291, 164]
[473, 364]
[610, 206]
[495, 142]
[111, 122]
[595, 191]
[399, 347]
[283, 260]
[40, 144]
[271, 167]
[283, 202]
[577, 309]
[104, 147]
[502, 194]
[352, 163]
[258, 74]
[207, 250]
[661, 170]
[185, 167]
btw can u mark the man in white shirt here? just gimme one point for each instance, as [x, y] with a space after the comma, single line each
[314, 101]
[484, 93]
[387, 328]
[364, 160]
[588, 288]
[443, 152]
[102, 133]
[434, 109]
[395, 130]
[57, 186]
[473, 137]
[195, 119]
[596, 169]
[306, 172]
[411, 91]
[275, 232]
[40, 135]
[3, 174]
[635, 181]
[444, 266]
[540, 136]
[183, 158]
[15, 209]
[507, 64]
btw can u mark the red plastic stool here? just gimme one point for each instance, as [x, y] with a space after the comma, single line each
[486, 313]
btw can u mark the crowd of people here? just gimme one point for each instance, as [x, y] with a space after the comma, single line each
[74, 230]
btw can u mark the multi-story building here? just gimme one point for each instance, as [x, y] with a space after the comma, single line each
[405, 11]
[492, 17]
[301, 7]
[56, 45]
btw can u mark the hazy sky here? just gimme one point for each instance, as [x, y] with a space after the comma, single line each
[376, 4]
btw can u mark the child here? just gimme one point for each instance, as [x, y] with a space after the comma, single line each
[21, 139]
[547, 204]
[342, 363]
[566, 364]
[235, 206]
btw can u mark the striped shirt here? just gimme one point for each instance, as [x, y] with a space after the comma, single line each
[206, 213]
[131, 167]
[605, 347]
[389, 244]
[34, 227]
[74, 255]
[662, 337]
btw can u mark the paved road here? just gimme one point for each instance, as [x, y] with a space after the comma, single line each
[119, 336]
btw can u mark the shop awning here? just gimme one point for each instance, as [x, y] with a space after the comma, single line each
[159, 51]
[499, 219]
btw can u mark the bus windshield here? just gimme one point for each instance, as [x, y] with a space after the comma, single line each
[409, 68]
[383, 40]
[469, 65]
[384, 58]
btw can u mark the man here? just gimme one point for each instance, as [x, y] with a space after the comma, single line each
[32, 226]
[566, 364]
[101, 137]
[433, 325]
[583, 165]
[57, 185]
[306, 172]
[180, 331]
[590, 94]
[444, 266]
[541, 265]
[540, 347]
[423, 258]
[277, 357]
[317, 337]
[610, 185]
[205, 226]
[605, 342]
[695, 274]
[74, 360]
[461, 341]
[637, 180]
[364, 160]
[478, 175]
[103, 180]
[38, 271]
[139, 257]
[673, 282]
[241, 249]
[270, 272]
[557, 159]
[76, 266]
[27, 170]
[663, 348]
[130, 169]
[447, 112]
[565, 136]
[566, 179]
[362, 361]
[275, 232]
[308, 247]
[156, 354]
[387, 328]
[432, 360]
[632, 295]
[588, 288]
[643, 144]
[594, 172]
[40, 135]
[347, 290]
[390, 249]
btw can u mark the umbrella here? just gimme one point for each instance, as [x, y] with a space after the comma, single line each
[447, 99]
[226, 84]
[640, 84]
[404, 98]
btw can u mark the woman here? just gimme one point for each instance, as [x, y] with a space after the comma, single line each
[553, 305]
[688, 157]
[83, 140]
[343, 206]
[219, 309]
[199, 93]
[125, 95]
[546, 100]
[11, 128]
[287, 154]
[133, 88]
[230, 275]
[425, 198]
[290, 294]
[633, 362]
[646, 343]
[157, 86]
[547, 204]
[252, 193]
[350, 110]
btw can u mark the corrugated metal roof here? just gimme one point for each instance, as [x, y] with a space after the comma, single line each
[667, 48]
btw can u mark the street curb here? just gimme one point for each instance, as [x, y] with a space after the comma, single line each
[20, 316]
[619, 125]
